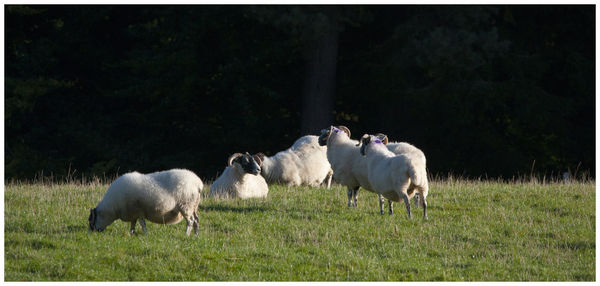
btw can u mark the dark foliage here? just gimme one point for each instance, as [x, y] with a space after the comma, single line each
[482, 90]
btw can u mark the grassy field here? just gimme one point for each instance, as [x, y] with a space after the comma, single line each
[477, 231]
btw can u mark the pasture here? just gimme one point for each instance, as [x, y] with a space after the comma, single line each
[477, 231]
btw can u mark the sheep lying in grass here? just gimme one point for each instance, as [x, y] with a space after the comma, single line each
[395, 176]
[305, 163]
[241, 179]
[161, 197]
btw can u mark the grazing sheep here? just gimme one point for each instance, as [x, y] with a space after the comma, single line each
[395, 176]
[241, 179]
[305, 163]
[161, 197]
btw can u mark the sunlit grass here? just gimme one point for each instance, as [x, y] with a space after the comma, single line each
[477, 231]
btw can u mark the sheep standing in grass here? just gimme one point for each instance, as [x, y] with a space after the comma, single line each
[305, 163]
[395, 176]
[161, 197]
[349, 168]
[241, 179]
[402, 148]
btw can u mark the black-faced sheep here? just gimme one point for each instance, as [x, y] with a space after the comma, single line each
[241, 178]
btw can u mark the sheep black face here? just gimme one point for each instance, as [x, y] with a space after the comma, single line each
[364, 141]
[325, 133]
[250, 164]
[368, 139]
[92, 221]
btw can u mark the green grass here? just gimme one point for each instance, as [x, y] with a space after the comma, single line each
[477, 231]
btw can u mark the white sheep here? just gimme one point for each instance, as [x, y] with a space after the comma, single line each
[402, 148]
[395, 176]
[161, 197]
[241, 179]
[304, 163]
[349, 168]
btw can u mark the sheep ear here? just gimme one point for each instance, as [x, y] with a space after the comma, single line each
[345, 129]
[233, 157]
[258, 159]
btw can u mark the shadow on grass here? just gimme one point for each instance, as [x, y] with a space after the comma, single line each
[219, 208]
[36, 229]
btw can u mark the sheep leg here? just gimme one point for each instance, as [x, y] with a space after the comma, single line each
[416, 199]
[143, 224]
[391, 207]
[424, 204]
[196, 223]
[328, 179]
[380, 203]
[190, 223]
[132, 227]
[349, 197]
[353, 196]
[407, 203]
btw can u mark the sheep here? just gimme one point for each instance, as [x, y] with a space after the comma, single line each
[395, 176]
[402, 148]
[349, 168]
[161, 197]
[241, 178]
[304, 163]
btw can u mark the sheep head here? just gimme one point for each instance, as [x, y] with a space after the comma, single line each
[92, 221]
[367, 139]
[249, 164]
[326, 133]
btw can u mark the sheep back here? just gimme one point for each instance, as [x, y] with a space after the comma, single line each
[305, 162]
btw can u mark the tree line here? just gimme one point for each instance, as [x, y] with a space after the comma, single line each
[482, 90]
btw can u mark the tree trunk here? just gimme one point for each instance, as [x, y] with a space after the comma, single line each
[319, 84]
